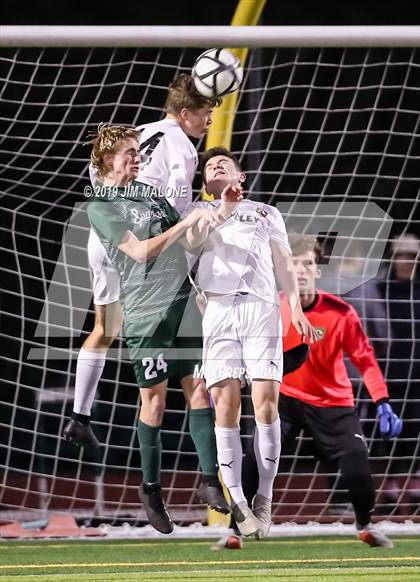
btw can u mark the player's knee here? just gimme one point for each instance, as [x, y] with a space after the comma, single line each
[266, 412]
[108, 321]
[195, 393]
[357, 476]
[154, 410]
[227, 413]
[265, 400]
[355, 469]
[198, 399]
[227, 402]
[101, 336]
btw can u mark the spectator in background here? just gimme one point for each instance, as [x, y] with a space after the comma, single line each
[401, 291]
[367, 300]
[404, 258]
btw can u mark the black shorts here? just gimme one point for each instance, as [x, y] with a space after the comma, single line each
[336, 431]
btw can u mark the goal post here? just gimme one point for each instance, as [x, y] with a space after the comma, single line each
[326, 127]
[204, 36]
[220, 132]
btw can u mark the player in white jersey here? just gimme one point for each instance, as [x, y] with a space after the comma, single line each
[168, 164]
[240, 262]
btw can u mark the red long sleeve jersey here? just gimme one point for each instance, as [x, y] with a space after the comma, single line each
[322, 380]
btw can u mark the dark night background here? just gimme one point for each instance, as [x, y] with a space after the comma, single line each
[276, 12]
[44, 166]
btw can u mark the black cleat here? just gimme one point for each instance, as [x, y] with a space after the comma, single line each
[294, 358]
[80, 434]
[155, 509]
[211, 492]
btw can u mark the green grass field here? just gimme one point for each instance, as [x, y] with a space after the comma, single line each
[340, 559]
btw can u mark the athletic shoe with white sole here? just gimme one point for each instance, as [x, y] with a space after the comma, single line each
[246, 521]
[261, 508]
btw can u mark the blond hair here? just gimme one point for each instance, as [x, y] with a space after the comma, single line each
[183, 94]
[106, 141]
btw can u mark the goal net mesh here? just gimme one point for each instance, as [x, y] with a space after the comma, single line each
[322, 133]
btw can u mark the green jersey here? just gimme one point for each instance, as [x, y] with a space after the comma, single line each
[153, 286]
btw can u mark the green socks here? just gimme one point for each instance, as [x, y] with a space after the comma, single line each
[201, 423]
[201, 426]
[150, 451]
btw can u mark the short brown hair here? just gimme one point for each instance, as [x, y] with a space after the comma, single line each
[212, 153]
[106, 141]
[183, 94]
[303, 243]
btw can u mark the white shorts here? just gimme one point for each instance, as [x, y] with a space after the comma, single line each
[242, 337]
[106, 279]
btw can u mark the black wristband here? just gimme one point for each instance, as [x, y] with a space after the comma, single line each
[381, 401]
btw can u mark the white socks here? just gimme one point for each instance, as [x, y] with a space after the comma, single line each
[267, 449]
[89, 370]
[229, 456]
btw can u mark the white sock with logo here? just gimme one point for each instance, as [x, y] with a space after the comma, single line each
[267, 447]
[229, 456]
[89, 370]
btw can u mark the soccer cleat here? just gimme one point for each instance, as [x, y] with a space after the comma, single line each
[247, 523]
[155, 509]
[211, 492]
[374, 538]
[231, 542]
[294, 358]
[261, 508]
[80, 434]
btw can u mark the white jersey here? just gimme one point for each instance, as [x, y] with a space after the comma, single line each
[171, 161]
[236, 257]
[169, 164]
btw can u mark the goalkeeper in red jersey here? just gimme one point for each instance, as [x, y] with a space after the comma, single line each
[318, 397]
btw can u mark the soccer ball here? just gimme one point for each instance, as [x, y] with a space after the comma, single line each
[217, 72]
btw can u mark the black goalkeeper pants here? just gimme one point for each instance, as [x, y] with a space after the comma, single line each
[337, 436]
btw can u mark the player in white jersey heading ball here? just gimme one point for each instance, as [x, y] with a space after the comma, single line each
[241, 263]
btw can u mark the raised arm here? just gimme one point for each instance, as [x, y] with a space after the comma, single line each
[286, 277]
[143, 250]
[212, 218]
[115, 229]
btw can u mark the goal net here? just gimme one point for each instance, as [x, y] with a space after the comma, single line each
[331, 135]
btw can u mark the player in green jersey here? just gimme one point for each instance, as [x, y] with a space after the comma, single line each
[138, 229]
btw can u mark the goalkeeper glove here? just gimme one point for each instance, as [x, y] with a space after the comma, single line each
[390, 425]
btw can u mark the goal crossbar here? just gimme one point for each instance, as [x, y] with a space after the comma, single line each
[217, 36]
[328, 135]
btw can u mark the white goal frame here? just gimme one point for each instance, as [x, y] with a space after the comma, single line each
[217, 36]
